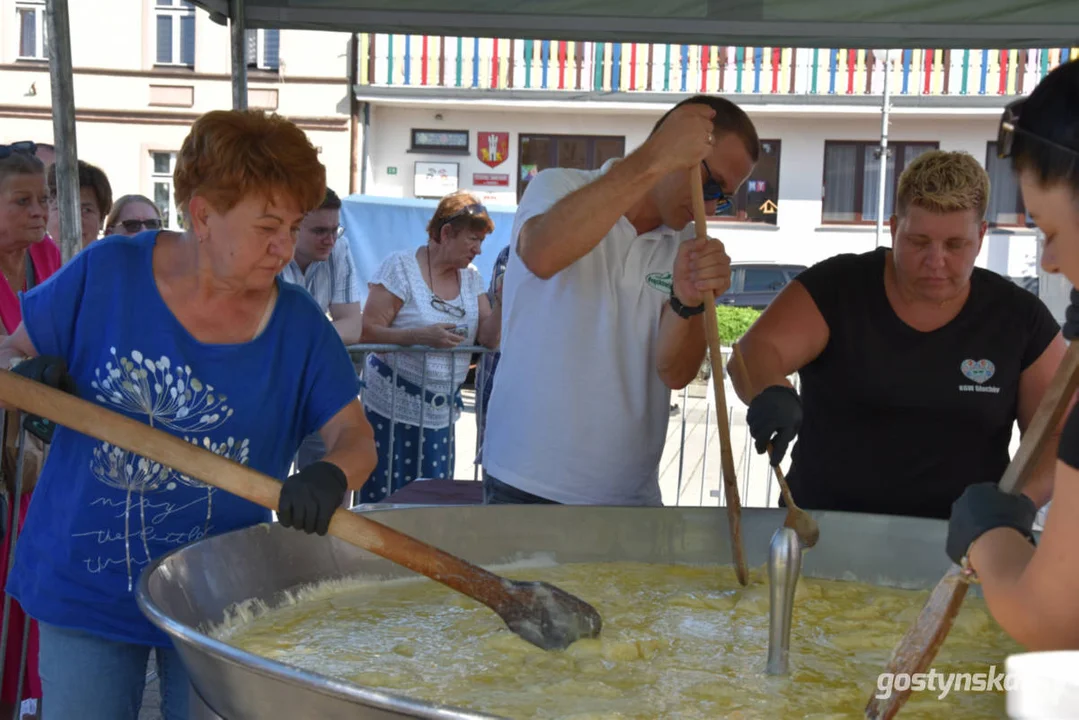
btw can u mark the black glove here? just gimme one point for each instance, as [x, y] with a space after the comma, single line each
[982, 508]
[775, 416]
[52, 371]
[1071, 317]
[310, 497]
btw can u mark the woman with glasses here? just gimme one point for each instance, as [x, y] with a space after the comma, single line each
[915, 365]
[27, 257]
[95, 201]
[1032, 591]
[430, 297]
[131, 214]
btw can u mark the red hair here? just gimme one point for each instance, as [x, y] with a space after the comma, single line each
[230, 154]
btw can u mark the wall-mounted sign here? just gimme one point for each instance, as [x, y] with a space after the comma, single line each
[491, 179]
[440, 141]
[391, 171]
[435, 179]
[492, 147]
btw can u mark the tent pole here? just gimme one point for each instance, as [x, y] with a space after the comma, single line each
[63, 128]
[883, 185]
[237, 26]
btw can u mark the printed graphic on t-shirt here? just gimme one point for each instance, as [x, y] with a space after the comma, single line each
[661, 281]
[172, 398]
[979, 371]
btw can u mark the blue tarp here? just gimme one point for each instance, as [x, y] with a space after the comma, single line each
[378, 226]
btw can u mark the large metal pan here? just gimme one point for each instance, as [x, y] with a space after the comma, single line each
[190, 589]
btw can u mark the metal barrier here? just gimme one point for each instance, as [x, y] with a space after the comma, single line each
[688, 471]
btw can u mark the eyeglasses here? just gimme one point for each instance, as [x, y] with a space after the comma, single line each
[133, 226]
[1009, 128]
[442, 306]
[336, 232]
[23, 147]
[714, 191]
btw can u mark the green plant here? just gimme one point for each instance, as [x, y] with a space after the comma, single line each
[734, 321]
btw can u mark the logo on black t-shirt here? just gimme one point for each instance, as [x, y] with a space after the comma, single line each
[979, 371]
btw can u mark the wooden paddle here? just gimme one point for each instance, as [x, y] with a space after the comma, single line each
[542, 614]
[797, 519]
[711, 331]
[924, 638]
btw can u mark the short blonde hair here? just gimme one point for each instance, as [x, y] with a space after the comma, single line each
[944, 182]
[230, 154]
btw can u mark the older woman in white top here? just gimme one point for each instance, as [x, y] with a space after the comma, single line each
[431, 297]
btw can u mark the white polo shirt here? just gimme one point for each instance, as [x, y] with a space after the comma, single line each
[578, 413]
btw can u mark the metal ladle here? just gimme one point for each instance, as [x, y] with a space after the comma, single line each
[784, 567]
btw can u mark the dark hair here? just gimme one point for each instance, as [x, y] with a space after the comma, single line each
[332, 202]
[92, 177]
[1048, 126]
[729, 118]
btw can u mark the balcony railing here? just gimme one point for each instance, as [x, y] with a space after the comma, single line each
[505, 64]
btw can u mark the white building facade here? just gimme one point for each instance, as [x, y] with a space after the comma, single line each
[438, 106]
[144, 70]
[438, 113]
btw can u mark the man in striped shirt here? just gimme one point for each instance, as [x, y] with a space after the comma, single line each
[325, 266]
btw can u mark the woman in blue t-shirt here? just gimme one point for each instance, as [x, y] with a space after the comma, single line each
[193, 334]
[1034, 593]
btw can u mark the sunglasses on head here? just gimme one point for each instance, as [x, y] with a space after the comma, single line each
[714, 191]
[473, 210]
[23, 147]
[1009, 128]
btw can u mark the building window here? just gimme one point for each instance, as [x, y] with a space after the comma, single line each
[852, 178]
[33, 35]
[1006, 206]
[758, 198]
[175, 32]
[263, 49]
[163, 165]
[584, 152]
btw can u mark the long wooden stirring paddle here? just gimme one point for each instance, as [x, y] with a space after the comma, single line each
[726, 454]
[797, 519]
[924, 638]
[542, 614]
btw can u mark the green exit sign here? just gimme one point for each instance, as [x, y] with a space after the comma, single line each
[391, 171]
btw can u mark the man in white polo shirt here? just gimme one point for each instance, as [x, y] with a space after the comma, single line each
[323, 264]
[600, 316]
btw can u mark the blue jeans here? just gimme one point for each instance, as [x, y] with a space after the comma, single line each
[91, 678]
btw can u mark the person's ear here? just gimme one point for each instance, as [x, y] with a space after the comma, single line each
[199, 211]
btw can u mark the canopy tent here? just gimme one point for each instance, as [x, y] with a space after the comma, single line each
[788, 23]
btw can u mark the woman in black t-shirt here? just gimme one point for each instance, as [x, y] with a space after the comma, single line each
[915, 365]
[1034, 594]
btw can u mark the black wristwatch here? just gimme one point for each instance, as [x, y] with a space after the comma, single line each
[681, 310]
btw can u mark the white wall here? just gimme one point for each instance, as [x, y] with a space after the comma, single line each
[117, 127]
[798, 236]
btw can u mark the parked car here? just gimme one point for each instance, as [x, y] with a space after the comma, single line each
[755, 285]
